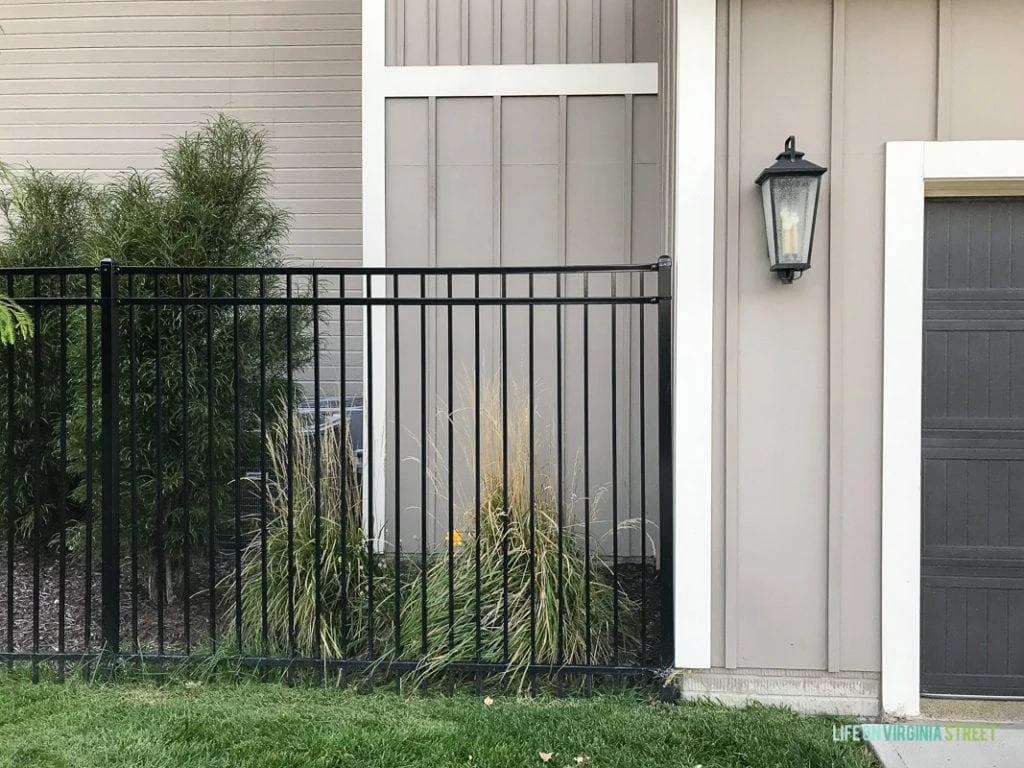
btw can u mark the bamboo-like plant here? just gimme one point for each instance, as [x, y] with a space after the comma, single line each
[186, 371]
[44, 220]
[210, 204]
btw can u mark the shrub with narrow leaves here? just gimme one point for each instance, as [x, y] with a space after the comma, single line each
[185, 370]
[45, 219]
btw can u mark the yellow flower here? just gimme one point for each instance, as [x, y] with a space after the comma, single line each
[455, 537]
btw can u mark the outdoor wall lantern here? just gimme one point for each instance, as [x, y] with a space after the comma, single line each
[789, 191]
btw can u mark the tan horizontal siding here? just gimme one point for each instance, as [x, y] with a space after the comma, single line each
[81, 25]
[285, 74]
[290, 121]
[193, 53]
[44, 41]
[49, 9]
[283, 148]
[200, 103]
[84, 85]
[100, 87]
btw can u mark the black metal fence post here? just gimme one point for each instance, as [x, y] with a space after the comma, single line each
[110, 458]
[666, 461]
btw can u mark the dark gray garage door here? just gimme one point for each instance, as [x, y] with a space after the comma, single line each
[972, 624]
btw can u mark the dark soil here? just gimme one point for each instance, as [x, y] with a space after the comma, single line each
[642, 583]
[69, 619]
[62, 614]
[63, 618]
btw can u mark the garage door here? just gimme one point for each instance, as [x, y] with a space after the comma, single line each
[973, 449]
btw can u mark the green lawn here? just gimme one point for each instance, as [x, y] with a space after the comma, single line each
[246, 725]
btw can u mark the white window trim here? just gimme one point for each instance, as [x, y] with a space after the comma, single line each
[909, 166]
[694, 252]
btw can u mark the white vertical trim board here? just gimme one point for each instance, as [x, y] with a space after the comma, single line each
[909, 165]
[901, 428]
[694, 254]
[374, 245]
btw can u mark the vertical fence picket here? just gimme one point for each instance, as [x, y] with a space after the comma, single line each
[210, 489]
[37, 460]
[11, 391]
[317, 481]
[133, 465]
[666, 459]
[62, 503]
[186, 517]
[641, 389]
[110, 458]
[90, 414]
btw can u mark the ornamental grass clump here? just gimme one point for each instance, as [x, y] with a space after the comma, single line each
[557, 603]
[283, 562]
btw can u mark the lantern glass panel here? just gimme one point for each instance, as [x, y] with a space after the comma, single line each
[795, 198]
[769, 221]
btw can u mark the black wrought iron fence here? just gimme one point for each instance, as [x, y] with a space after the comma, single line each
[418, 472]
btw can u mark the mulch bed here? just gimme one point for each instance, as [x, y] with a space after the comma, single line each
[144, 613]
[632, 582]
[71, 614]
[23, 620]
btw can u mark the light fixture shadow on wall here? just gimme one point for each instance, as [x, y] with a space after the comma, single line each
[790, 189]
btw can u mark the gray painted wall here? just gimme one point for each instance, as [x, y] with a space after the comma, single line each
[797, 518]
[518, 182]
[447, 32]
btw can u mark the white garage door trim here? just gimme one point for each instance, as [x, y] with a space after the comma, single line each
[694, 221]
[910, 166]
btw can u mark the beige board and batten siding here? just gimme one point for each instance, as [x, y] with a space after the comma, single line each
[470, 32]
[100, 87]
[797, 518]
[523, 181]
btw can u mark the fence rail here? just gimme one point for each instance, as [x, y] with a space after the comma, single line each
[422, 472]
